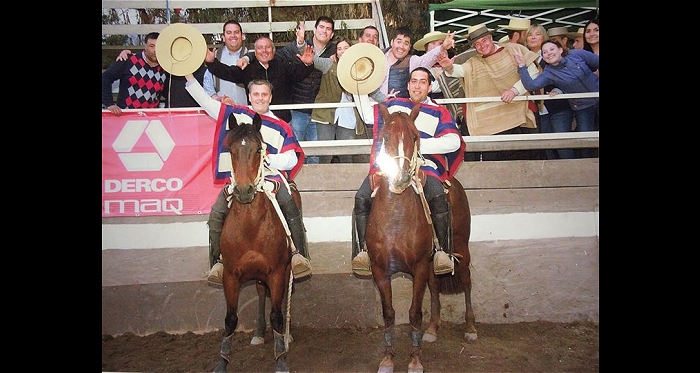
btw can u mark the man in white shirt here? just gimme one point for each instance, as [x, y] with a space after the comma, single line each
[234, 49]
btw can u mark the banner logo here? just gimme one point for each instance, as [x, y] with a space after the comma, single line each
[131, 133]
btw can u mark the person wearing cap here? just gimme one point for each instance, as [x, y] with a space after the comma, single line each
[560, 34]
[577, 37]
[572, 72]
[441, 145]
[442, 86]
[141, 80]
[493, 72]
[516, 29]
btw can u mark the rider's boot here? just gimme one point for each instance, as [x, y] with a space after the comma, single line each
[216, 223]
[301, 264]
[361, 262]
[443, 261]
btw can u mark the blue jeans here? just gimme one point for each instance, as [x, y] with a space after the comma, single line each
[304, 130]
[557, 122]
[586, 121]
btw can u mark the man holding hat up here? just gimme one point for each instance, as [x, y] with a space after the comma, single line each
[183, 53]
[443, 148]
[442, 86]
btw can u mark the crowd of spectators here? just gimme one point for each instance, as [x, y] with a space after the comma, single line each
[493, 69]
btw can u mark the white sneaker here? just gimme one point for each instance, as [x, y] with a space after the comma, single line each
[301, 267]
[216, 275]
[443, 263]
[361, 264]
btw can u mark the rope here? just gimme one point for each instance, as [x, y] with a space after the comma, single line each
[287, 334]
[418, 186]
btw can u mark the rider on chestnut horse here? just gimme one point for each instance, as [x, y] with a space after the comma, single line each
[284, 154]
[443, 148]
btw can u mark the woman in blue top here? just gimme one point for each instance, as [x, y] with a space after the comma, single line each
[572, 72]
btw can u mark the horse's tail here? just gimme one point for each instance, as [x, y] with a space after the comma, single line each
[449, 285]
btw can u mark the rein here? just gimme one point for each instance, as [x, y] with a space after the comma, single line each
[415, 163]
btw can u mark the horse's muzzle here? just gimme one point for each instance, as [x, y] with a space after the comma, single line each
[244, 193]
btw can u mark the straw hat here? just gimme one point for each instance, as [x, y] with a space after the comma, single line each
[180, 49]
[477, 31]
[517, 24]
[362, 68]
[503, 40]
[558, 31]
[427, 38]
[573, 35]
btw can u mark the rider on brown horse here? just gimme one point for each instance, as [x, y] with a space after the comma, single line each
[284, 154]
[443, 148]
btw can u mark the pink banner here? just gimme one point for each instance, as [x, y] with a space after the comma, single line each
[157, 163]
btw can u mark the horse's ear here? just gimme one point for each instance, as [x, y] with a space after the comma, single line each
[415, 111]
[232, 122]
[384, 112]
[257, 122]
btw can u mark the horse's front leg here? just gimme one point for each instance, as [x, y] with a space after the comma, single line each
[231, 293]
[384, 286]
[277, 291]
[415, 316]
[259, 335]
[430, 334]
[470, 334]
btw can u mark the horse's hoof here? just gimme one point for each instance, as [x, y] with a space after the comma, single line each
[415, 369]
[385, 369]
[429, 337]
[257, 341]
[221, 367]
[470, 337]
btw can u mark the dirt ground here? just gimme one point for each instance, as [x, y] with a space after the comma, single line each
[521, 347]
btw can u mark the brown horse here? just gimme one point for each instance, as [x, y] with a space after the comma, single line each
[399, 236]
[254, 244]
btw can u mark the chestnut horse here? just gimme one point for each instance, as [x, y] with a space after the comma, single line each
[399, 236]
[254, 244]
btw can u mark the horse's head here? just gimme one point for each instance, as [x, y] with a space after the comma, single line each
[398, 155]
[245, 143]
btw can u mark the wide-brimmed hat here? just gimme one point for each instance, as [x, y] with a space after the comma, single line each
[362, 68]
[476, 32]
[573, 35]
[427, 38]
[558, 31]
[517, 24]
[180, 49]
